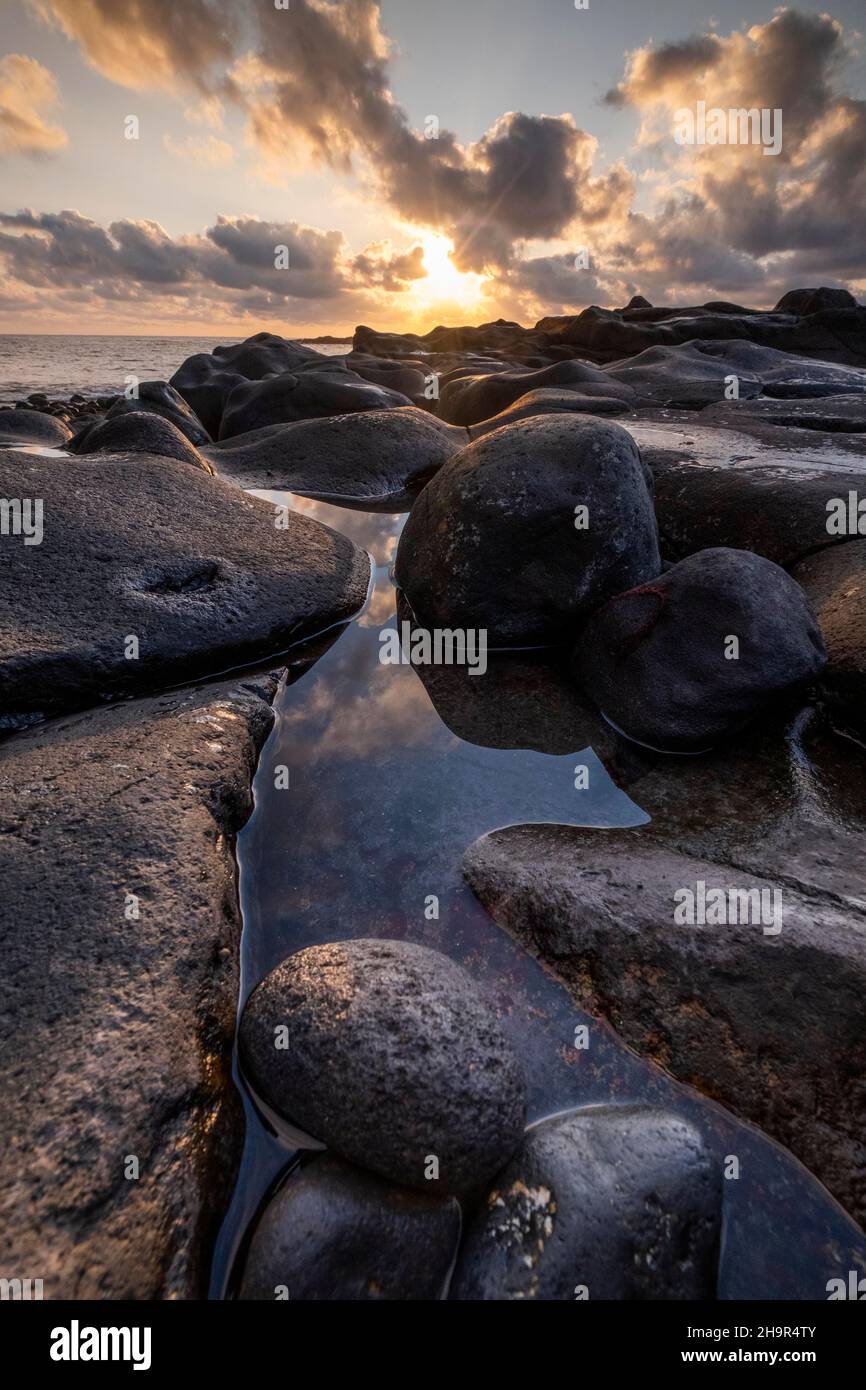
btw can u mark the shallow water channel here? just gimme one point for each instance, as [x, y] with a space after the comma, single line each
[383, 799]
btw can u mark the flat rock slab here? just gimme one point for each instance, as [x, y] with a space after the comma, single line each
[829, 414]
[149, 548]
[759, 487]
[369, 453]
[768, 1022]
[119, 989]
[835, 585]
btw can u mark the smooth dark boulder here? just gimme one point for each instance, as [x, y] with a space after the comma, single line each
[160, 398]
[834, 581]
[391, 1057]
[690, 658]
[741, 977]
[137, 433]
[119, 987]
[812, 301]
[304, 395]
[206, 387]
[32, 427]
[370, 453]
[136, 547]
[410, 377]
[467, 400]
[333, 1232]
[495, 540]
[611, 1202]
[550, 400]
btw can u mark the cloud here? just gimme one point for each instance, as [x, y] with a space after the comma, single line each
[144, 44]
[28, 93]
[200, 149]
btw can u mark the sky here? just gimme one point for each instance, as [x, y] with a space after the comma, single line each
[303, 166]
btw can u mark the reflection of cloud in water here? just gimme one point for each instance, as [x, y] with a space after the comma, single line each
[373, 531]
[381, 608]
[393, 710]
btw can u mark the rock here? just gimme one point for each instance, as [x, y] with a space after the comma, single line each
[392, 1057]
[151, 548]
[605, 335]
[372, 453]
[29, 426]
[492, 541]
[759, 487]
[301, 396]
[616, 1202]
[467, 400]
[119, 990]
[334, 1232]
[206, 388]
[659, 660]
[409, 377]
[768, 1022]
[845, 414]
[637, 301]
[834, 581]
[485, 337]
[138, 433]
[549, 400]
[159, 398]
[701, 373]
[813, 301]
[206, 379]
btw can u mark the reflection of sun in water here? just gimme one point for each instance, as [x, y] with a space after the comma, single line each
[444, 283]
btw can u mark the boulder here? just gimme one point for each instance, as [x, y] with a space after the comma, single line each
[333, 1232]
[812, 301]
[303, 395]
[834, 582]
[493, 541]
[160, 398]
[688, 659]
[549, 400]
[144, 548]
[844, 414]
[371, 453]
[32, 426]
[122, 1129]
[387, 1052]
[467, 400]
[137, 433]
[610, 1202]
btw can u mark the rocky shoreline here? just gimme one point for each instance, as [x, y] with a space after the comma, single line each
[669, 499]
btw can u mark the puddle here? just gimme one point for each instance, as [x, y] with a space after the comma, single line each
[383, 799]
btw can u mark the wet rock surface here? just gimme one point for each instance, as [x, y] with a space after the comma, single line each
[334, 1232]
[161, 398]
[119, 989]
[620, 1202]
[834, 581]
[197, 572]
[493, 540]
[691, 657]
[391, 1057]
[760, 1011]
[468, 400]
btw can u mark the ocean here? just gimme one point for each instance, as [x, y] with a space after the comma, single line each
[61, 364]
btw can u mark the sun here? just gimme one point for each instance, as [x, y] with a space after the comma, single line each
[444, 283]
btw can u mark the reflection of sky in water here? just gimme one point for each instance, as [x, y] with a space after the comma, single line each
[384, 799]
